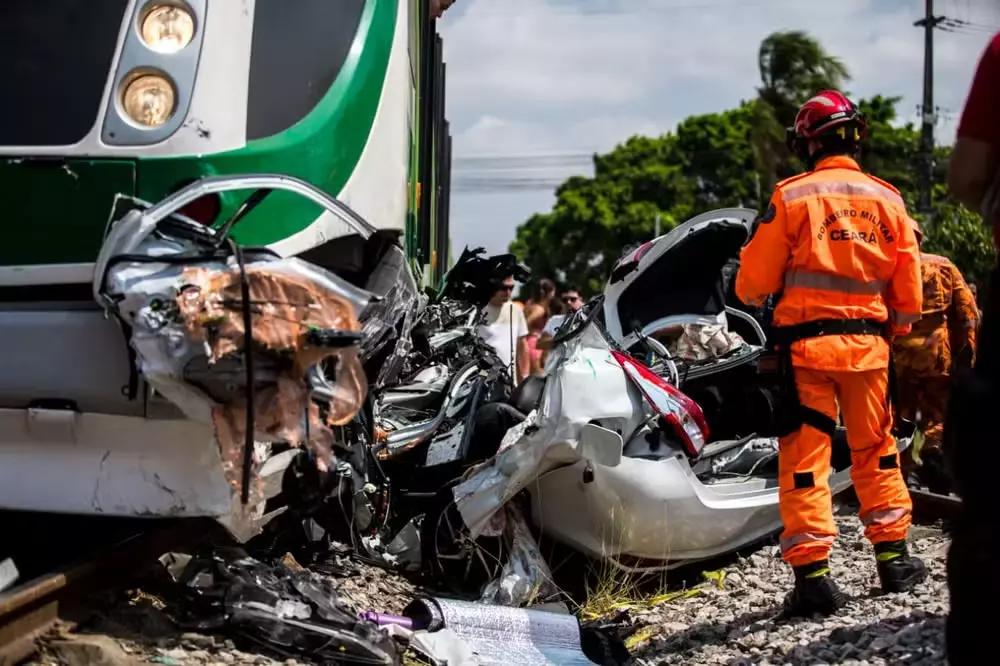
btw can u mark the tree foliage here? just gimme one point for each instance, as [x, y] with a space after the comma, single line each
[960, 235]
[731, 158]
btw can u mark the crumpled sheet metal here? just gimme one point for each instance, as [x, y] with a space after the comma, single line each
[525, 579]
[392, 315]
[285, 306]
[548, 437]
[497, 635]
[289, 295]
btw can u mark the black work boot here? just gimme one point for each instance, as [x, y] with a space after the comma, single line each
[815, 592]
[897, 569]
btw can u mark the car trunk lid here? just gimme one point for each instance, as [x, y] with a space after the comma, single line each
[678, 274]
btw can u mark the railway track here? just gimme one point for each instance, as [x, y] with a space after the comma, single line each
[34, 607]
[64, 594]
[932, 506]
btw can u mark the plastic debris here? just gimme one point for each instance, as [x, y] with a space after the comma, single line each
[8, 573]
[494, 634]
[291, 611]
[525, 578]
[383, 619]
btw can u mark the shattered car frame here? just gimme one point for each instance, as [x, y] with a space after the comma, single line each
[679, 484]
[154, 422]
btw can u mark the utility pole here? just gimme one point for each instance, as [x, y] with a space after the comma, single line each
[927, 111]
[656, 227]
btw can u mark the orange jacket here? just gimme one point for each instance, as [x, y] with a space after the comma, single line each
[838, 244]
[947, 327]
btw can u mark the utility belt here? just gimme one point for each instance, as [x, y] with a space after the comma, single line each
[790, 413]
[785, 336]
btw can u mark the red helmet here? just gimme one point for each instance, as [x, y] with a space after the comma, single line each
[827, 114]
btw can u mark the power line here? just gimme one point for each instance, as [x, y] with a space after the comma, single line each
[971, 11]
[518, 156]
[503, 159]
[494, 186]
[956, 25]
[509, 162]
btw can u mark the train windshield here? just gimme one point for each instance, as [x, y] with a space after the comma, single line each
[56, 57]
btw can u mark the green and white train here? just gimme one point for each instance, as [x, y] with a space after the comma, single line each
[141, 97]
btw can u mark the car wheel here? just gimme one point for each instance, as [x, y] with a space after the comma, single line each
[458, 562]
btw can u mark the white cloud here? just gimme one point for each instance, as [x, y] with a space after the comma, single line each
[577, 76]
[492, 135]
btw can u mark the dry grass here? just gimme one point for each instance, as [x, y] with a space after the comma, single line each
[611, 591]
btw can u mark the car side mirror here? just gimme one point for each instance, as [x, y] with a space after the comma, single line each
[600, 445]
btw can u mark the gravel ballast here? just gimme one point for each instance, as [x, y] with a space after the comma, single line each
[738, 625]
[733, 620]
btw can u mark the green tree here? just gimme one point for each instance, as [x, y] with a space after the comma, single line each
[793, 67]
[889, 152]
[706, 163]
[959, 234]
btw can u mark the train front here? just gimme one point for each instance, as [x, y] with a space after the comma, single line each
[140, 97]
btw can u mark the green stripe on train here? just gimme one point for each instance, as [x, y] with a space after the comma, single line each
[323, 148]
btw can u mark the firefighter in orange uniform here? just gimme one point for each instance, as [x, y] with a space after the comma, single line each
[837, 247]
[944, 339]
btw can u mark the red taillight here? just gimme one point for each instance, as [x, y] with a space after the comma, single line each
[204, 210]
[680, 411]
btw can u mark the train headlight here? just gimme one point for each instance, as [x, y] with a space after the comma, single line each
[167, 28]
[149, 99]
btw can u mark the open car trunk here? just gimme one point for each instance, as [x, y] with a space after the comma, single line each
[669, 296]
[676, 278]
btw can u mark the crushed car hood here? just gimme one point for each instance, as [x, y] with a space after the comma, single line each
[194, 314]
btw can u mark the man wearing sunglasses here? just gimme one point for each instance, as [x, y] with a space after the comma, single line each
[506, 330]
[571, 301]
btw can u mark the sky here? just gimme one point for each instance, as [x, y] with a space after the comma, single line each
[535, 87]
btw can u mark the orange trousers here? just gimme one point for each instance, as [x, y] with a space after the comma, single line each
[804, 465]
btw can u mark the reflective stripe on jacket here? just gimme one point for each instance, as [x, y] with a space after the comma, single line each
[837, 244]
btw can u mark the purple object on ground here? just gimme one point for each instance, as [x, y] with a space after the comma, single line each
[383, 619]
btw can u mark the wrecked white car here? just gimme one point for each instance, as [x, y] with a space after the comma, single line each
[641, 449]
[143, 404]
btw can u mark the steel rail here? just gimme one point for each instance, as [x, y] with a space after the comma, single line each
[29, 610]
[934, 506]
